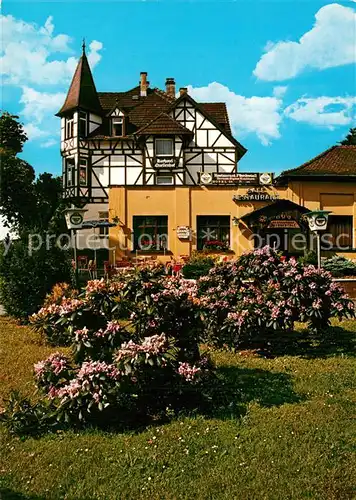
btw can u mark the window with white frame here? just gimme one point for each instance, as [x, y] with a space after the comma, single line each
[83, 171]
[83, 118]
[70, 171]
[117, 125]
[164, 180]
[69, 127]
[164, 147]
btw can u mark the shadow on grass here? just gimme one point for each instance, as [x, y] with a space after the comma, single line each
[8, 494]
[334, 341]
[234, 388]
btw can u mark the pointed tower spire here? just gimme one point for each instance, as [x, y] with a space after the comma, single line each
[82, 92]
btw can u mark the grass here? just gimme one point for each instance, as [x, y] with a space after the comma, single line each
[294, 438]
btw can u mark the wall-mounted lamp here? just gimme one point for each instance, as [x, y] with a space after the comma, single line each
[235, 221]
[117, 220]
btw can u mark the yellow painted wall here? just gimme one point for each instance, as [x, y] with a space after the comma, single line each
[183, 204]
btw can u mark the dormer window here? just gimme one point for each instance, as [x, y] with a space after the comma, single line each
[69, 127]
[164, 147]
[82, 124]
[117, 125]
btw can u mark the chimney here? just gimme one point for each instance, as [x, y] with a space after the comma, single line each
[183, 91]
[143, 84]
[170, 87]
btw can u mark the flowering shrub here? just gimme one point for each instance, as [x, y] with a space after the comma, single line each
[140, 380]
[100, 344]
[260, 293]
[52, 373]
[93, 388]
[170, 307]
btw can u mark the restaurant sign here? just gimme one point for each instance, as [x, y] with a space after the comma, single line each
[183, 232]
[166, 162]
[283, 224]
[256, 195]
[236, 179]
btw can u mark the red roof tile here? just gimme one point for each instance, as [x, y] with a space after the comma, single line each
[164, 124]
[338, 160]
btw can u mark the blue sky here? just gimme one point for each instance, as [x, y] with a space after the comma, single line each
[286, 69]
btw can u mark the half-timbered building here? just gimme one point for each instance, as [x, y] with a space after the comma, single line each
[164, 169]
[144, 137]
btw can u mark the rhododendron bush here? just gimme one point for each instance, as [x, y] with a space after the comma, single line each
[260, 294]
[135, 339]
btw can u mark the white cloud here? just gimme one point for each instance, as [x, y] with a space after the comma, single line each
[34, 132]
[280, 90]
[49, 143]
[258, 115]
[331, 42]
[32, 54]
[323, 111]
[39, 104]
[34, 58]
[38, 111]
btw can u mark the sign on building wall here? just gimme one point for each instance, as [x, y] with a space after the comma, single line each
[283, 224]
[183, 232]
[239, 179]
[256, 195]
[168, 162]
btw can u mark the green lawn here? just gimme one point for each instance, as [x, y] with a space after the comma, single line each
[294, 438]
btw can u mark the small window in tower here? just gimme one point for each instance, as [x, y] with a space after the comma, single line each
[69, 127]
[70, 172]
[118, 126]
[82, 124]
[83, 171]
[164, 147]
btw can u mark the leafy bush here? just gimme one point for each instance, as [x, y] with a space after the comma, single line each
[309, 257]
[24, 417]
[340, 266]
[199, 264]
[236, 311]
[26, 278]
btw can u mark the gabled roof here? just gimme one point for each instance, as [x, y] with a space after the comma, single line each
[165, 123]
[82, 92]
[218, 111]
[202, 108]
[141, 111]
[335, 161]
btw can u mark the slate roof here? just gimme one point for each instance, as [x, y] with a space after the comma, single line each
[142, 112]
[335, 161]
[82, 92]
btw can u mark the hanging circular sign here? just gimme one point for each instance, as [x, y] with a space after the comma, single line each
[205, 178]
[76, 219]
[265, 179]
[320, 221]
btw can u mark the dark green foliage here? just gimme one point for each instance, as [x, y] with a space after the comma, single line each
[198, 265]
[23, 417]
[309, 257]
[12, 134]
[26, 278]
[340, 266]
[350, 139]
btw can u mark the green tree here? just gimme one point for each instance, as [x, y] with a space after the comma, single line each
[12, 134]
[25, 202]
[350, 139]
